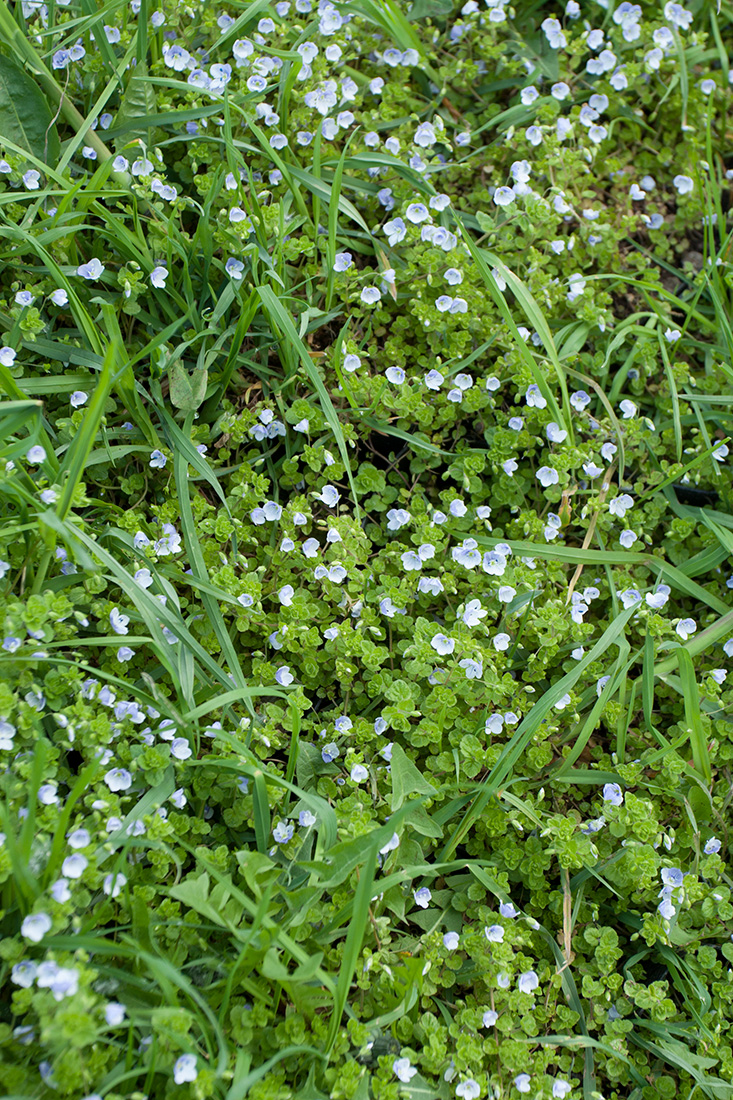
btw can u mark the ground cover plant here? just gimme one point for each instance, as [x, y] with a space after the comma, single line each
[365, 580]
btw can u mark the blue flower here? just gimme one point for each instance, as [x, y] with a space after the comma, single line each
[330, 752]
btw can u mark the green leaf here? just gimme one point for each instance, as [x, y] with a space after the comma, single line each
[429, 9]
[187, 391]
[25, 117]
[406, 779]
[138, 107]
[419, 1089]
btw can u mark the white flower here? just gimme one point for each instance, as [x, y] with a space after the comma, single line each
[678, 15]
[443, 644]
[283, 832]
[576, 284]
[628, 408]
[672, 335]
[473, 613]
[528, 982]
[504, 196]
[612, 793]
[118, 779]
[547, 476]
[392, 843]
[555, 433]
[451, 941]
[422, 897]
[501, 642]
[285, 595]
[404, 1071]
[468, 1090]
[35, 926]
[74, 866]
[91, 271]
[234, 269]
[185, 1069]
[417, 212]
[659, 597]
[620, 505]
[534, 398]
[686, 627]
[683, 184]
[158, 277]
[523, 1082]
[158, 460]
[118, 621]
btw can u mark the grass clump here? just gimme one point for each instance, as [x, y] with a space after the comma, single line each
[366, 519]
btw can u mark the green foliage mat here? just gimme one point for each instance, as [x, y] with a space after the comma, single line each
[365, 532]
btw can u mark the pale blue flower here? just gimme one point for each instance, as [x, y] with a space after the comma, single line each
[442, 644]
[403, 1069]
[504, 196]
[118, 621]
[234, 268]
[35, 926]
[417, 212]
[329, 495]
[468, 1089]
[672, 877]
[451, 941]
[686, 627]
[24, 973]
[185, 1069]
[283, 832]
[528, 982]
[158, 277]
[118, 779]
[157, 460]
[547, 476]
[74, 865]
[612, 793]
